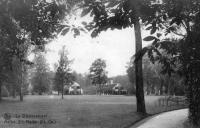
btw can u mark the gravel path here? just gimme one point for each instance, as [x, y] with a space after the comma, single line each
[173, 119]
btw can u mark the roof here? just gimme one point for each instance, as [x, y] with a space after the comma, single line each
[75, 84]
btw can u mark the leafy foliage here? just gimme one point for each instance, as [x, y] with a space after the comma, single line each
[63, 73]
[39, 20]
[17, 78]
[181, 18]
[29, 23]
[24, 23]
[98, 75]
[106, 16]
[40, 79]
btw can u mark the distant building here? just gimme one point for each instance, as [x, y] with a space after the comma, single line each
[75, 89]
[111, 88]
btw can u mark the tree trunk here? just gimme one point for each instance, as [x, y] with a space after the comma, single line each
[14, 91]
[20, 93]
[161, 86]
[22, 82]
[100, 90]
[96, 89]
[62, 91]
[0, 91]
[167, 86]
[20, 89]
[138, 71]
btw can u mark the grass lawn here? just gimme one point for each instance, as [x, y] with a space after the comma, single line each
[89, 111]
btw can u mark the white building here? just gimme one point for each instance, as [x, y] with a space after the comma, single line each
[75, 89]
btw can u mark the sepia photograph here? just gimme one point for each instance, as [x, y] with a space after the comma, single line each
[99, 63]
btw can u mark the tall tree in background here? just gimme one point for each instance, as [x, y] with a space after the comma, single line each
[57, 81]
[82, 78]
[98, 74]
[63, 73]
[131, 74]
[40, 80]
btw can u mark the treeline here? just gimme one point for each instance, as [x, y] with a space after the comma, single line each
[155, 81]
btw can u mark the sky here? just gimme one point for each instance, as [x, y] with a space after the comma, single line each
[115, 47]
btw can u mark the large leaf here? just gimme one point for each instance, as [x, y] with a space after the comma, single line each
[111, 4]
[164, 17]
[153, 30]
[65, 31]
[158, 35]
[149, 38]
[84, 23]
[149, 28]
[176, 20]
[94, 34]
[76, 32]
[85, 12]
[83, 30]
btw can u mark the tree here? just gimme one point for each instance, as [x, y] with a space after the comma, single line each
[63, 74]
[82, 78]
[5, 62]
[181, 19]
[172, 16]
[149, 74]
[21, 65]
[57, 82]
[5, 48]
[116, 14]
[17, 77]
[25, 23]
[40, 80]
[138, 70]
[98, 74]
[35, 22]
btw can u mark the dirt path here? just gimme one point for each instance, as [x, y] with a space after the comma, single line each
[173, 119]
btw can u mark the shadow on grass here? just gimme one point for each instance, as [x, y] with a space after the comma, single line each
[10, 100]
